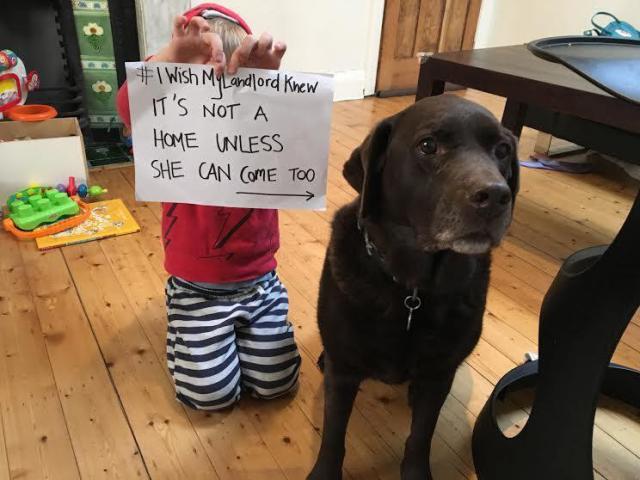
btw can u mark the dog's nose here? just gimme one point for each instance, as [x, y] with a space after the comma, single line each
[491, 200]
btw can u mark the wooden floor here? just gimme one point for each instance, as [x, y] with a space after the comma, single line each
[84, 391]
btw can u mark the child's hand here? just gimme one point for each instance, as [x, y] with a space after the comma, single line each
[193, 42]
[254, 53]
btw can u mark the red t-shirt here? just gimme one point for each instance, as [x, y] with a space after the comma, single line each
[214, 244]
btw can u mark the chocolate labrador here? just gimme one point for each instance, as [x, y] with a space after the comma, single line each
[404, 284]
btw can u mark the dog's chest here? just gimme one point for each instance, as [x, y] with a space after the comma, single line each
[436, 335]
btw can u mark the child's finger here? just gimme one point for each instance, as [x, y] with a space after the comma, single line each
[219, 66]
[197, 26]
[204, 25]
[178, 25]
[242, 54]
[264, 44]
[279, 49]
[215, 47]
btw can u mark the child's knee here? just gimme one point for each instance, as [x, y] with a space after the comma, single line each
[273, 383]
[217, 396]
[204, 383]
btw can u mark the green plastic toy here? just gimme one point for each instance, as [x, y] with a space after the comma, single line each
[96, 190]
[34, 206]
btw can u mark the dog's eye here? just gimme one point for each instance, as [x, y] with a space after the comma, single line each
[502, 150]
[428, 146]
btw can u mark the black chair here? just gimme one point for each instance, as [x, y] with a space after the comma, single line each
[584, 315]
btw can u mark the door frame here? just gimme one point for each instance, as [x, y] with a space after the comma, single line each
[374, 42]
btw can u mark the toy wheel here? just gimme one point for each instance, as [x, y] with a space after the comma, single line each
[31, 113]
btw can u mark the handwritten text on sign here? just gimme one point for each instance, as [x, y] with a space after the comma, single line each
[258, 139]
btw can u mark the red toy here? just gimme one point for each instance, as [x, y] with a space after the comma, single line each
[71, 188]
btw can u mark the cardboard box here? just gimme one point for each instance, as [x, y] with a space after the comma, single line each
[51, 151]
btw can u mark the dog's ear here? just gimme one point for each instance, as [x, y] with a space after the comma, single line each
[353, 169]
[363, 168]
[514, 166]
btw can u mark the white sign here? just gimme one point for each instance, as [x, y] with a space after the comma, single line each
[258, 139]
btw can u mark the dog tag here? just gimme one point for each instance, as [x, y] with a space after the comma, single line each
[412, 302]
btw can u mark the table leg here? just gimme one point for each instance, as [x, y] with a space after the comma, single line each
[513, 116]
[584, 314]
[428, 85]
[429, 88]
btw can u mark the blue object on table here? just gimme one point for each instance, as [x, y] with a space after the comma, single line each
[615, 28]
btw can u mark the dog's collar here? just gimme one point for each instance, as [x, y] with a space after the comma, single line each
[412, 302]
[374, 252]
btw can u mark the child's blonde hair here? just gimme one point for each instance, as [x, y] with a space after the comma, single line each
[230, 32]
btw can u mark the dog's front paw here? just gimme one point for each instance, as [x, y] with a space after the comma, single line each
[321, 472]
[415, 472]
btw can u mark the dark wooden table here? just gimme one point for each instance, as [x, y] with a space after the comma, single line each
[540, 94]
[596, 292]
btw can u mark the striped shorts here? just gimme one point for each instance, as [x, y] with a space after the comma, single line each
[221, 343]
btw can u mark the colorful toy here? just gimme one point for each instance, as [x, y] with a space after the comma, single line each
[29, 212]
[15, 82]
[71, 187]
[91, 192]
[31, 113]
[33, 207]
[96, 190]
[82, 190]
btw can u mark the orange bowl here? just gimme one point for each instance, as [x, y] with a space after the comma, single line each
[31, 113]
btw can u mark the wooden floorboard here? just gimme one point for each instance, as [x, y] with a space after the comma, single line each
[166, 438]
[35, 431]
[84, 389]
[4, 459]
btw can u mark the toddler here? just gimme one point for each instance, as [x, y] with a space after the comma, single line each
[228, 331]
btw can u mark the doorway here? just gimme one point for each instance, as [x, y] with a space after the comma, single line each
[412, 28]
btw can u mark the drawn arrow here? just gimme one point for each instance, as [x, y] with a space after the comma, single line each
[309, 195]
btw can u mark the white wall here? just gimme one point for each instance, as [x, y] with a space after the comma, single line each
[323, 36]
[155, 19]
[511, 22]
[341, 37]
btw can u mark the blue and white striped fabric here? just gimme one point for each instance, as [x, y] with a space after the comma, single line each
[220, 343]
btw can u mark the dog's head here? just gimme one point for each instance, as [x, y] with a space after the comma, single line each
[443, 167]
